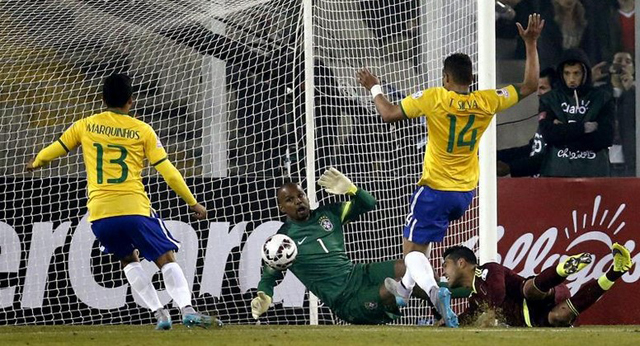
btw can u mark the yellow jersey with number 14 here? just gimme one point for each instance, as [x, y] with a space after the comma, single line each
[114, 147]
[455, 123]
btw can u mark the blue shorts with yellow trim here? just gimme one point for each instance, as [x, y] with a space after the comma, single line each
[120, 235]
[431, 211]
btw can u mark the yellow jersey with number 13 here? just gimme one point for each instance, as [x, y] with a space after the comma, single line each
[114, 147]
[455, 123]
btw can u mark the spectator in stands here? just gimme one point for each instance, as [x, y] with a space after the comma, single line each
[627, 19]
[525, 161]
[505, 15]
[618, 79]
[566, 28]
[576, 121]
[613, 23]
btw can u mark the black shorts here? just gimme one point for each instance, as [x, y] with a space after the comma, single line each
[536, 312]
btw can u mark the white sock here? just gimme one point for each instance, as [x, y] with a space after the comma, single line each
[407, 282]
[176, 284]
[142, 285]
[421, 272]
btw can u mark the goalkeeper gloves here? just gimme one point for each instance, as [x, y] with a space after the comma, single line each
[260, 304]
[336, 183]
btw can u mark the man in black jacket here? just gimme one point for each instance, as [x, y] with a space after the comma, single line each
[576, 121]
[623, 88]
[618, 79]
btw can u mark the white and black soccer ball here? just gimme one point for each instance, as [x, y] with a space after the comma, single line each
[279, 251]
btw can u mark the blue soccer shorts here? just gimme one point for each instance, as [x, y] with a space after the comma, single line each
[431, 211]
[120, 235]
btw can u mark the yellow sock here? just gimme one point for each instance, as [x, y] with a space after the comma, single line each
[605, 283]
[560, 270]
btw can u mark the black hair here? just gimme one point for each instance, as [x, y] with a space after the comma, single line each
[586, 75]
[117, 90]
[572, 63]
[460, 68]
[549, 73]
[458, 251]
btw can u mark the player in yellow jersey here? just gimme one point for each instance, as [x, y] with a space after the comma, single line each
[456, 119]
[114, 147]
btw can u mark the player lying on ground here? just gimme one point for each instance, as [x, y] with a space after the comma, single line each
[456, 119]
[354, 292]
[539, 301]
[114, 146]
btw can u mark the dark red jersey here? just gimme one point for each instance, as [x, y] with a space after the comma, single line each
[499, 288]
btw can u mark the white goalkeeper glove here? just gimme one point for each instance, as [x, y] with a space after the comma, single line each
[260, 304]
[336, 183]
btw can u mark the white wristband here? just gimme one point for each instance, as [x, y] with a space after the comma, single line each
[376, 90]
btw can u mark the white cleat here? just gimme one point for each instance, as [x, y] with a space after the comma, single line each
[397, 289]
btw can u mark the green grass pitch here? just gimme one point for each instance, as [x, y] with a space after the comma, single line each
[122, 335]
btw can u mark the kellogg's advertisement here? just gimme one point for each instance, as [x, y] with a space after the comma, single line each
[541, 220]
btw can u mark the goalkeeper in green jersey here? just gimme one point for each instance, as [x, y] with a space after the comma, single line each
[354, 292]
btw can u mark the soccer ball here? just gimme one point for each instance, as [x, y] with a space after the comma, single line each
[279, 251]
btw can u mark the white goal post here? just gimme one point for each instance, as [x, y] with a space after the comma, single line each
[244, 95]
[488, 185]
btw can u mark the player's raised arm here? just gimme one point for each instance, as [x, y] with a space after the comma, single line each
[532, 65]
[388, 111]
[337, 183]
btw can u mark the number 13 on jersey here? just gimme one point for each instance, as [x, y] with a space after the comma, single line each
[119, 161]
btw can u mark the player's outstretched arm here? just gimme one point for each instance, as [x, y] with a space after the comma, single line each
[46, 155]
[199, 211]
[69, 140]
[337, 183]
[530, 37]
[388, 111]
[260, 304]
[175, 181]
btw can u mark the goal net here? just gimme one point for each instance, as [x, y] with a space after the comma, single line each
[225, 86]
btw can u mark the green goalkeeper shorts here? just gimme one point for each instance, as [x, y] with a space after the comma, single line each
[360, 302]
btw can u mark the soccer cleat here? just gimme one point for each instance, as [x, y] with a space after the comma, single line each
[401, 303]
[192, 318]
[395, 287]
[197, 320]
[621, 258]
[443, 306]
[217, 322]
[164, 320]
[574, 264]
